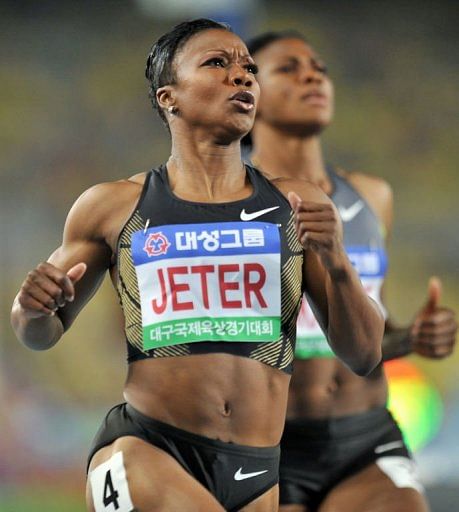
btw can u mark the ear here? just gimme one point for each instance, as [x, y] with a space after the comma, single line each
[165, 97]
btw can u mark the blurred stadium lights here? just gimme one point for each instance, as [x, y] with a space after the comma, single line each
[167, 9]
[237, 13]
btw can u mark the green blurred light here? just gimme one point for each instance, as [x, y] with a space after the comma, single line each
[414, 402]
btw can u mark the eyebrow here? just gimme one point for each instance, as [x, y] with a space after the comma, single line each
[221, 50]
[314, 58]
[289, 57]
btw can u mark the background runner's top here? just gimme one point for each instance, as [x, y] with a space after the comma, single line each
[364, 241]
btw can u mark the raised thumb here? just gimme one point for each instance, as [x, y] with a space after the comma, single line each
[433, 294]
[77, 272]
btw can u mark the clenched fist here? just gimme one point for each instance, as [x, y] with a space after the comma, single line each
[47, 288]
[319, 228]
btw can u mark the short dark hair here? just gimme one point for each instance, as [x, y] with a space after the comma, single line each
[257, 43]
[159, 70]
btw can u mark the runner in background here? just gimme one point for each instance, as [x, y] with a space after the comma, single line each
[341, 449]
[209, 259]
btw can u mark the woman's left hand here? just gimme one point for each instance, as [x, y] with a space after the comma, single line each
[319, 229]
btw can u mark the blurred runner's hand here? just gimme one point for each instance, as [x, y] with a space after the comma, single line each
[433, 333]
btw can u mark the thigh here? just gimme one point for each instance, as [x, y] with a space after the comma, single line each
[267, 502]
[371, 490]
[293, 508]
[145, 479]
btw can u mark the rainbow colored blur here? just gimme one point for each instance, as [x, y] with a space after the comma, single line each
[414, 402]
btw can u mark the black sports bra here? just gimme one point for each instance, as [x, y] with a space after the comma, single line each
[195, 278]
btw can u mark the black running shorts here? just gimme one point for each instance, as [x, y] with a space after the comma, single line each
[318, 454]
[234, 474]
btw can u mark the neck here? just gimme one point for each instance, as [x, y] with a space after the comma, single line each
[282, 154]
[201, 168]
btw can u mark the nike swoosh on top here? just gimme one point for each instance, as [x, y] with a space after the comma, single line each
[243, 476]
[250, 216]
[347, 214]
[388, 446]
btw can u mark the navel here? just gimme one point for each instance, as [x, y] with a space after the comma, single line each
[226, 411]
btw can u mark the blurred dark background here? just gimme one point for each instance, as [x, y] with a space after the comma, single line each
[75, 112]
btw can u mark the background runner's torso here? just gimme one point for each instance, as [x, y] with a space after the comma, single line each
[321, 385]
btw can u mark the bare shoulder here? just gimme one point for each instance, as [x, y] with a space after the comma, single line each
[307, 190]
[102, 207]
[110, 195]
[114, 190]
[372, 188]
[376, 191]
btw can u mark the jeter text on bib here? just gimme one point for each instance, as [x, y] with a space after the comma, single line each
[371, 265]
[208, 282]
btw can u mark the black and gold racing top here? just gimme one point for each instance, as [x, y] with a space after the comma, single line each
[197, 278]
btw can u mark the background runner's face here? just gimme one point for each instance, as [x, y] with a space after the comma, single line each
[296, 93]
[213, 66]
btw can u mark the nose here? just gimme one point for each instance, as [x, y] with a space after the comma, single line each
[240, 76]
[311, 75]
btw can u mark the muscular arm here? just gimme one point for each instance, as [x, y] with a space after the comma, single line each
[55, 291]
[352, 321]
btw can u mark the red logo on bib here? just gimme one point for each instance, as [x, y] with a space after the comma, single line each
[156, 244]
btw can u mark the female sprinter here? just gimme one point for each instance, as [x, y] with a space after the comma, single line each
[209, 260]
[341, 449]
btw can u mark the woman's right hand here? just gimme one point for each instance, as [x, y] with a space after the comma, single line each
[48, 288]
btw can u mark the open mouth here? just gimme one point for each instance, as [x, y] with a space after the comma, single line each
[244, 99]
[315, 97]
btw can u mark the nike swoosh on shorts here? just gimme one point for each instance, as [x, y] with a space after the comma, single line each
[388, 446]
[239, 475]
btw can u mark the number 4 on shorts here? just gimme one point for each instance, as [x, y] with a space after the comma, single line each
[110, 494]
[110, 491]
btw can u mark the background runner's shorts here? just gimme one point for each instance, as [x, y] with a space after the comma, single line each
[234, 474]
[319, 454]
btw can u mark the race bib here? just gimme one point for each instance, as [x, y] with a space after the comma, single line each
[208, 282]
[371, 265]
